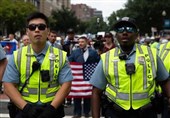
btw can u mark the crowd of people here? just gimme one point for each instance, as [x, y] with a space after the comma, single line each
[131, 79]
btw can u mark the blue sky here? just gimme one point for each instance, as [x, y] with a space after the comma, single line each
[106, 6]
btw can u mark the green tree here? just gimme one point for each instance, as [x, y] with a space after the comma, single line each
[81, 27]
[112, 19]
[148, 13]
[13, 14]
[63, 19]
[96, 24]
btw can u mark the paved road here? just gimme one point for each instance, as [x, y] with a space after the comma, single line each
[4, 111]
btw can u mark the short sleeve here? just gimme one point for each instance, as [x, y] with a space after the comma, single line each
[162, 73]
[98, 78]
[65, 73]
[11, 73]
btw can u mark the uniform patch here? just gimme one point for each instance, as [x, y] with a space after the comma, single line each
[52, 56]
[141, 60]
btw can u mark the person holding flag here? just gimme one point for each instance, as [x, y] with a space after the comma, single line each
[83, 55]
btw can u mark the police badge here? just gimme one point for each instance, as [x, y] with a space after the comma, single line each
[52, 56]
[141, 60]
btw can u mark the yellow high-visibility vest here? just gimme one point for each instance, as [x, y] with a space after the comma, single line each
[36, 90]
[130, 91]
[164, 54]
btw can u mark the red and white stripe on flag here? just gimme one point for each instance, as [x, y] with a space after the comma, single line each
[80, 87]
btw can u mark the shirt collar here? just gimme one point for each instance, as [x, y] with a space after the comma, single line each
[133, 50]
[43, 52]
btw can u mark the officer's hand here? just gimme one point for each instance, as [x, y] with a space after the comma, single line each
[30, 111]
[49, 112]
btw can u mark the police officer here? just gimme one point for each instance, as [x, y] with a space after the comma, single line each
[127, 76]
[164, 54]
[38, 76]
[3, 62]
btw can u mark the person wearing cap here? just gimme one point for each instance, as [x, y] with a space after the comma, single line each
[164, 54]
[68, 46]
[127, 75]
[70, 41]
[83, 54]
[109, 41]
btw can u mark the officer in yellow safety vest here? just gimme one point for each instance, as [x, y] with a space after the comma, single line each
[164, 54]
[127, 77]
[38, 77]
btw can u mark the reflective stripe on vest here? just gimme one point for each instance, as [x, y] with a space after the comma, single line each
[115, 93]
[43, 91]
[162, 49]
[165, 55]
[115, 66]
[125, 96]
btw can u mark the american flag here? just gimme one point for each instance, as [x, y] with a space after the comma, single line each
[10, 46]
[80, 85]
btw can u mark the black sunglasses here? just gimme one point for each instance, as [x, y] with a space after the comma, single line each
[128, 29]
[32, 27]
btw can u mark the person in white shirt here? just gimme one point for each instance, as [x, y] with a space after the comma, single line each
[12, 39]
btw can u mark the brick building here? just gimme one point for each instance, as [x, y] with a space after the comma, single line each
[46, 6]
[84, 12]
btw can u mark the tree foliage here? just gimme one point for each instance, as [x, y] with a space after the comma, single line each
[148, 13]
[13, 14]
[63, 19]
[94, 26]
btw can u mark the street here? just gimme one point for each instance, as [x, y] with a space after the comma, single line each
[4, 112]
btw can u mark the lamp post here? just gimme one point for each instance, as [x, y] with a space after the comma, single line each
[98, 21]
[164, 13]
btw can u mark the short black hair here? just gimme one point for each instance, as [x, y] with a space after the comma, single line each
[83, 37]
[53, 31]
[35, 15]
